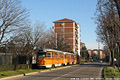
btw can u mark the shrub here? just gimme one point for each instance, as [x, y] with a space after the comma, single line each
[11, 67]
[6, 67]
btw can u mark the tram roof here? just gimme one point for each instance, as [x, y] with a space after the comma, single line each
[52, 50]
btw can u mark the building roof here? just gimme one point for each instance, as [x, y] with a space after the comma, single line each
[89, 49]
[97, 50]
[52, 50]
[64, 20]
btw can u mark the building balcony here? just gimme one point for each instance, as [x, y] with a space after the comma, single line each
[76, 38]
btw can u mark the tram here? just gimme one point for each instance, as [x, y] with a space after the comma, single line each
[49, 58]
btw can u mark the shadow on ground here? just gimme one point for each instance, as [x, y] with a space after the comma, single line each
[95, 64]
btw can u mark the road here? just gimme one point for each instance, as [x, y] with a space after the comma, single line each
[91, 70]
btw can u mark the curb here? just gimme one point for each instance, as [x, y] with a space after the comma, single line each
[100, 74]
[32, 73]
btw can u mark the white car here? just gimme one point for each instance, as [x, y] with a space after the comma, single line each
[100, 61]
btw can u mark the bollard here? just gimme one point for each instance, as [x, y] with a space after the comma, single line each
[39, 71]
[2, 74]
[24, 74]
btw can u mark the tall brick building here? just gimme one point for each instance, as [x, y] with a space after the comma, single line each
[70, 31]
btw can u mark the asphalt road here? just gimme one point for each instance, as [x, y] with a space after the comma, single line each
[91, 70]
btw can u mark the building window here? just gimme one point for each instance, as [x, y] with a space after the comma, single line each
[62, 24]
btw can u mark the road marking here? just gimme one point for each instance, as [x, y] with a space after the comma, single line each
[100, 74]
[67, 73]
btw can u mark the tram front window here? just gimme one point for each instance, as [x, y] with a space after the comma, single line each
[41, 55]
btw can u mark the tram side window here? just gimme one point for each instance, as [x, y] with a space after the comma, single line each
[41, 55]
[74, 57]
[53, 55]
[56, 55]
[48, 55]
[61, 55]
[68, 56]
[65, 56]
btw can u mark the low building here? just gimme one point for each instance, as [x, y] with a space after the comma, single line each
[97, 54]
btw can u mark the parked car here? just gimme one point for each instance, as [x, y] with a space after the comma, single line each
[116, 63]
[92, 60]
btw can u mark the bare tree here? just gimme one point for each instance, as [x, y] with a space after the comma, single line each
[29, 37]
[107, 53]
[48, 40]
[53, 41]
[117, 4]
[12, 17]
[108, 29]
[26, 40]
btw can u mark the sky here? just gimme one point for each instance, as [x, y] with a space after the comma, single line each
[81, 11]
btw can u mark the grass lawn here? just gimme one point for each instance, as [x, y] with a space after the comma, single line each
[83, 62]
[22, 71]
[17, 72]
[110, 72]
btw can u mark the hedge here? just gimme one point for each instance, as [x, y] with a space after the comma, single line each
[12, 67]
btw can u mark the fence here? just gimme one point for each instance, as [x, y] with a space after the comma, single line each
[5, 59]
[9, 59]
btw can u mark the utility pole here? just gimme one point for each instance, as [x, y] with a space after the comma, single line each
[99, 45]
[99, 49]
